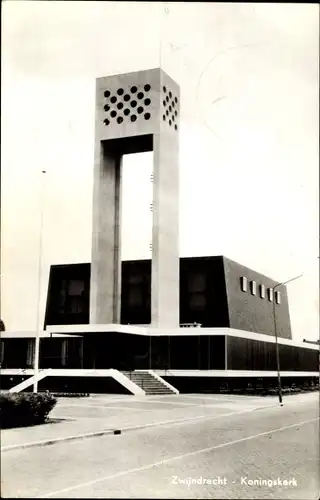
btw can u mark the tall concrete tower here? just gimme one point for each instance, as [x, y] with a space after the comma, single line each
[136, 112]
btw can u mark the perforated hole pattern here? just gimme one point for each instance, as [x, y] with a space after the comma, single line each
[170, 104]
[127, 104]
[131, 104]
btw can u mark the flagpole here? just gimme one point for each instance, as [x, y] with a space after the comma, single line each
[38, 326]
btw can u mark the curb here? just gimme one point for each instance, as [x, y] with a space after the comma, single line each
[47, 442]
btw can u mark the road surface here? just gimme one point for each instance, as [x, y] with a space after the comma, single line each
[238, 450]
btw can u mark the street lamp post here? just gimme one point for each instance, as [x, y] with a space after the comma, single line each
[37, 338]
[276, 334]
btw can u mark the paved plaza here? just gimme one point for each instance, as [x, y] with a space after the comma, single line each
[184, 446]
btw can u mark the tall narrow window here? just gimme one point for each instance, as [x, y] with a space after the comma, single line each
[244, 284]
[253, 286]
[75, 296]
[62, 297]
[278, 298]
[1, 351]
[270, 294]
[30, 350]
[262, 291]
[64, 352]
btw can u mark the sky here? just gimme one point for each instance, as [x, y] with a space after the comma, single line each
[249, 139]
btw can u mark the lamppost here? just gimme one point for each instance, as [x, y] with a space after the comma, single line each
[37, 339]
[276, 334]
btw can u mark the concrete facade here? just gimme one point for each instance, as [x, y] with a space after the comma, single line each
[210, 294]
[136, 112]
[251, 312]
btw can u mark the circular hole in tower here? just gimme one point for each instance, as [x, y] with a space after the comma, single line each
[176, 112]
[106, 121]
[164, 89]
[113, 114]
[164, 103]
[140, 95]
[126, 112]
[170, 109]
[167, 98]
[176, 127]
[173, 104]
[140, 110]
[133, 89]
[167, 112]
[120, 91]
[113, 99]
[107, 93]
[147, 87]
[176, 100]
[164, 118]
[147, 116]
[133, 104]
[170, 123]
[106, 107]
[120, 105]
[170, 94]
[147, 102]
[133, 118]
[126, 98]
[119, 119]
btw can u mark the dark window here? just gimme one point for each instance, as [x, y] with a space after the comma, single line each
[197, 282]
[197, 301]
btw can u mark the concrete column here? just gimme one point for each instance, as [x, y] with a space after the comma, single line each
[165, 231]
[105, 286]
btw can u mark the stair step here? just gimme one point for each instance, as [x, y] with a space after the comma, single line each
[159, 392]
[147, 382]
[153, 389]
[152, 386]
[167, 392]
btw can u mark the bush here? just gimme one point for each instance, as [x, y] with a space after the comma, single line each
[71, 394]
[23, 409]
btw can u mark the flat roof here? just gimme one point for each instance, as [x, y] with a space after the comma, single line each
[151, 331]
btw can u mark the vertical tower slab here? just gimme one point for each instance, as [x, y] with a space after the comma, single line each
[136, 112]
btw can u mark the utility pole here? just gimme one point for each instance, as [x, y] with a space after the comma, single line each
[276, 335]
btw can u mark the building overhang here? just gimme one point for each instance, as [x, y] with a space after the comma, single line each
[60, 372]
[32, 335]
[160, 332]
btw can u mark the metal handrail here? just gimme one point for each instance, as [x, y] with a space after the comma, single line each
[168, 371]
[128, 367]
[165, 369]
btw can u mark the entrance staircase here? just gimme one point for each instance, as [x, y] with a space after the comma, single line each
[150, 382]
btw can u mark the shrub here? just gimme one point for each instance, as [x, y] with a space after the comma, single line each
[22, 409]
[71, 394]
